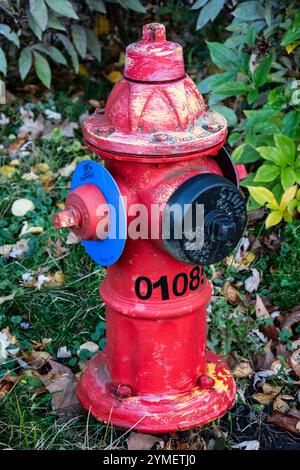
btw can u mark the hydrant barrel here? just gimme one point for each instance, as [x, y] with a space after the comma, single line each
[164, 164]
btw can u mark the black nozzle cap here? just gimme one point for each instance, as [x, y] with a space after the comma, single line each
[225, 219]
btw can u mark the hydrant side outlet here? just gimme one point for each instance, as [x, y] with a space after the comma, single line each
[161, 148]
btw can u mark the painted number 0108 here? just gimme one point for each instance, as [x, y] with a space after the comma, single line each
[181, 283]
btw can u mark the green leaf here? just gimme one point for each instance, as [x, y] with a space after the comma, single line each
[210, 82]
[63, 8]
[25, 62]
[263, 196]
[198, 4]
[288, 177]
[79, 39]
[97, 5]
[297, 174]
[53, 22]
[93, 44]
[260, 74]
[237, 88]
[267, 173]
[6, 31]
[272, 154]
[249, 11]
[39, 12]
[245, 154]
[234, 138]
[290, 36]
[209, 12]
[3, 62]
[34, 26]
[273, 219]
[221, 55]
[42, 69]
[228, 114]
[250, 36]
[290, 123]
[134, 5]
[287, 147]
[56, 55]
[70, 49]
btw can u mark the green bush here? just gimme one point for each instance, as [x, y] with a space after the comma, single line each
[35, 31]
[256, 88]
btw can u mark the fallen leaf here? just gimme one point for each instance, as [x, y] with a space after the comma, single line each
[243, 369]
[280, 404]
[264, 361]
[15, 251]
[114, 76]
[68, 128]
[89, 346]
[30, 127]
[291, 320]
[30, 176]
[7, 171]
[247, 445]
[40, 168]
[63, 353]
[21, 206]
[252, 283]
[66, 171]
[7, 383]
[60, 382]
[6, 298]
[72, 239]
[16, 144]
[52, 115]
[4, 120]
[268, 394]
[295, 361]
[260, 309]
[231, 294]
[285, 421]
[137, 441]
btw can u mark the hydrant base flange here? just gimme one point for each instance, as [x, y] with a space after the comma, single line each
[156, 413]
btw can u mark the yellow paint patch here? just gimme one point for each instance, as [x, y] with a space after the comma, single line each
[219, 377]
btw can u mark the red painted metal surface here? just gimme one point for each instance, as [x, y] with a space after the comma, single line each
[155, 374]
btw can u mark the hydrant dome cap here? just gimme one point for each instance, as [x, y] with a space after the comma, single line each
[154, 59]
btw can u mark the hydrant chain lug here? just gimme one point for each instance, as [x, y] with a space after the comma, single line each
[161, 148]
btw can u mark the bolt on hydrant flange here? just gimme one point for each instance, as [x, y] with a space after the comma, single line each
[161, 147]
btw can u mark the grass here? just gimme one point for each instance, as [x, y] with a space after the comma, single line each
[72, 313]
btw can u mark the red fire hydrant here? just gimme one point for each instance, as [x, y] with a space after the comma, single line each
[161, 147]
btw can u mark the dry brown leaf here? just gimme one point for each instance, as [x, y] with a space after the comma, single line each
[291, 320]
[264, 361]
[15, 251]
[231, 294]
[16, 144]
[280, 404]
[138, 441]
[285, 421]
[295, 361]
[7, 383]
[260, 309]
[268, 394]
[60, 382]
[243, 369]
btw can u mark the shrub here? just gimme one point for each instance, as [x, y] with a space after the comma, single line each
[60, 30]
[256, 88]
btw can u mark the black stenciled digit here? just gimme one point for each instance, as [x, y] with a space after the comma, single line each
[149, 290]
[176, 284]
[163, 284]
[194, 278]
